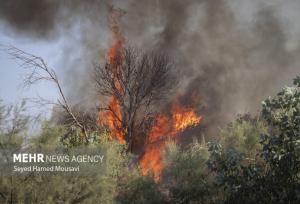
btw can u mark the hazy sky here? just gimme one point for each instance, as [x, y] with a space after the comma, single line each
[11, 74]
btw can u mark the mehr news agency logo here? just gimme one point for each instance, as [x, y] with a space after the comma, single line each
[33, 162]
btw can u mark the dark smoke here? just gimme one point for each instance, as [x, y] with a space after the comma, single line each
[36, 18]
[229, 60]
[231, 65]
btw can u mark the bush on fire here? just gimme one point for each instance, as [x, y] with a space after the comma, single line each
[256, 160]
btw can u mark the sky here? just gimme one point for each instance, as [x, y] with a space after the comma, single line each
[51, 50]
[12, 90]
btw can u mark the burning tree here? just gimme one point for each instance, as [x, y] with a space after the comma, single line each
[134, 82]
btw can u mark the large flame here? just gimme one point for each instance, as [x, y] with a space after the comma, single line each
[113, 117]
[167, 127]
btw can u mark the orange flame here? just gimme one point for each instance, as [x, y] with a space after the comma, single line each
[113, 117]
[184, 118]
[166, 127]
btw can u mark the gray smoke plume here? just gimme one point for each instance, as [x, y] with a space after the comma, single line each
[35, 17]
[230, 55]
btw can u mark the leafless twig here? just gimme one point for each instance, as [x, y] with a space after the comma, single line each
[39, 71]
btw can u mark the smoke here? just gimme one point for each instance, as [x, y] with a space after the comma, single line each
[229, 62]
[230, 55]
[34, 17]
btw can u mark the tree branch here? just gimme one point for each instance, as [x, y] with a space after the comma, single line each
[39, 71]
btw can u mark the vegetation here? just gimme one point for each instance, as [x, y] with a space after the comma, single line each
[138, 82]
[256, 160]
[186, 176]
[273, 174]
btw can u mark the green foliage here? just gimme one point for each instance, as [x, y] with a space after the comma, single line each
[243, 135]
[13, 126]
[281, 145]
[49, 138]
[257, 160]
[32, 188]
[136, 188]
[236, 153]
[234, 174]
[13, 129]
[54, 189]
[273, 176]
[117, 163]
[186, 175]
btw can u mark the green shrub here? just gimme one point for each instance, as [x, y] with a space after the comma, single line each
[136, 188]
[186, 176]
[273, 176]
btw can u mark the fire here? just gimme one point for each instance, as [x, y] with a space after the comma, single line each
[184, 118]
[113, 117]
[113, 120]
[167, 127]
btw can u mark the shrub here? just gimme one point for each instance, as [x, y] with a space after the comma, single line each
[186, 175]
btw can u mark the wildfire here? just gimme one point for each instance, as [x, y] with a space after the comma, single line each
[166, 127]
[113, 117]
[184, 118]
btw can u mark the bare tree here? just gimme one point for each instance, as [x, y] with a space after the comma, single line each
[138, 81]
[39, 71]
